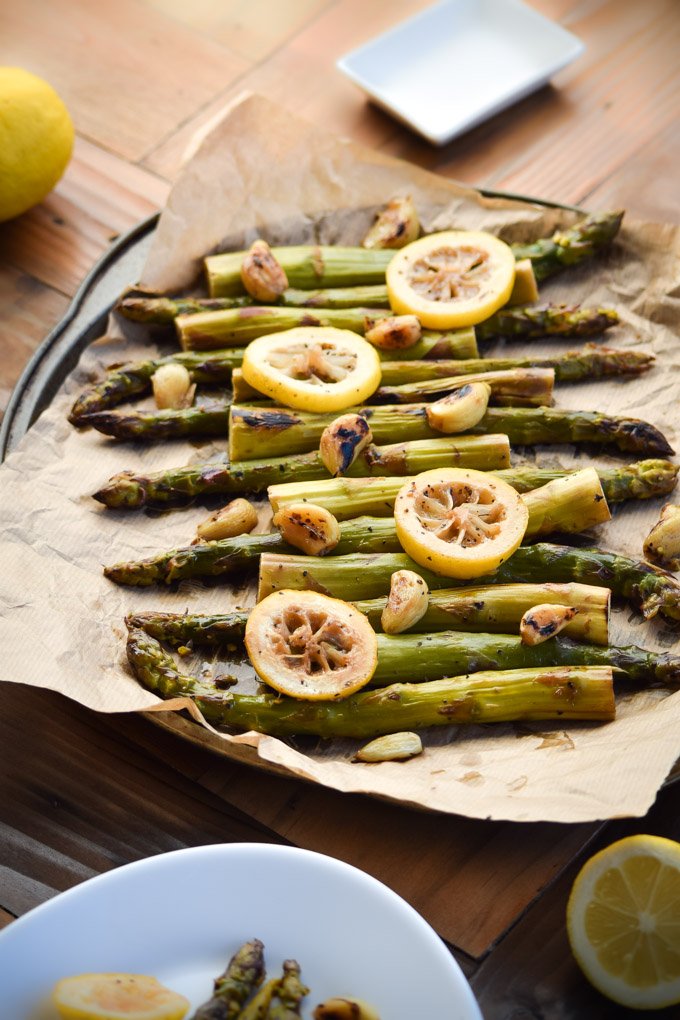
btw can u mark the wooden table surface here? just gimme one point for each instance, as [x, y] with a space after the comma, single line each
[139, 77]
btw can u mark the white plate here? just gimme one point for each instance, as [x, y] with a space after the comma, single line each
[459, 62]
[180, 916]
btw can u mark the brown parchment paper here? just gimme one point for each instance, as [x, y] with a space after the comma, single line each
[261, 171]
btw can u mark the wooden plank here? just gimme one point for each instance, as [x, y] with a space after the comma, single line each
[5, 918]
[128, 74]
[60, 826]
[647, 184]
[30, 310]
[302, 77]
[470, 879]
[253, 30]
[99, 197]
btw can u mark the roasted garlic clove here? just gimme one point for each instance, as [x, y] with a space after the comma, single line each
[662, 545]
[460, 410]
[236, 518]
[261, 274]
[395, 226]
[392, 747]
[342, 442]
[393, 333]
[406, 603]
[172, 387]
[542, 622]
[311, 529]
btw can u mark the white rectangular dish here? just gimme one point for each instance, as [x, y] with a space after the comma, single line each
[453, 65]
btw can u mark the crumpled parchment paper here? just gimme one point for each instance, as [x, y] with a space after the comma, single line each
[261, 171]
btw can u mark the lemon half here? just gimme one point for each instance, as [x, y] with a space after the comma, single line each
[36, 140]
[623, 921]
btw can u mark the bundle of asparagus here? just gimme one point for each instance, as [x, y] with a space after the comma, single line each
[480, 670]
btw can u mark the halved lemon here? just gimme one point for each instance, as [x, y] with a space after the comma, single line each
[459, 522]
[117, 997]
[313, 368]
[451, 279]
[311, 646]
[623, 921]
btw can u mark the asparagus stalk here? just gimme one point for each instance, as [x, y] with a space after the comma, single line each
[134, 379]
[289, 994]
[130, 491]
[308, 267]
[276, 431]
[244, 973]
[569, 247]
[591, 362]
[151, 426]
[492, 608]
[526, 387]
[355, 577]
[305, 266]
[238, 326]
[515, 387]
[573, 503]
[432, 651]
[547, 320]
[563, 692]
[345, 498]
[159, 310]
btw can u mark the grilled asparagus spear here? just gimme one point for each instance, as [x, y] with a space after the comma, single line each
[569, 247]
[327, 266]
[276, 431]
[559, 692]
[245, 971]
[366, 576]
[177, 485]
[349, 497]
[438, 652]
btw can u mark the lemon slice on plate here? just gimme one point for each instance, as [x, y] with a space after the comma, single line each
[117, 997]
[311, 646]
[451, 279]
[623, 921]
[459, 523]
[313, 368]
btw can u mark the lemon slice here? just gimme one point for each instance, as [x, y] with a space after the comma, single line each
[459, 523]
[117, 997]
[451, 279]
[310, 646]
[623, 921]
[313, 368]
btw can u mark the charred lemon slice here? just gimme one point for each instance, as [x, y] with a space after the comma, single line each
[313, 368]
[459, 523]
[452, 279]
[117, 997]
[310, 646]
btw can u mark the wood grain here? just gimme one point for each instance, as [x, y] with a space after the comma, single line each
[99, 197]
[29, 311]
[128, 74]
[60, 825]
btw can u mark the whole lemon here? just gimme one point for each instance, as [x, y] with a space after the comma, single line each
[36, 140]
